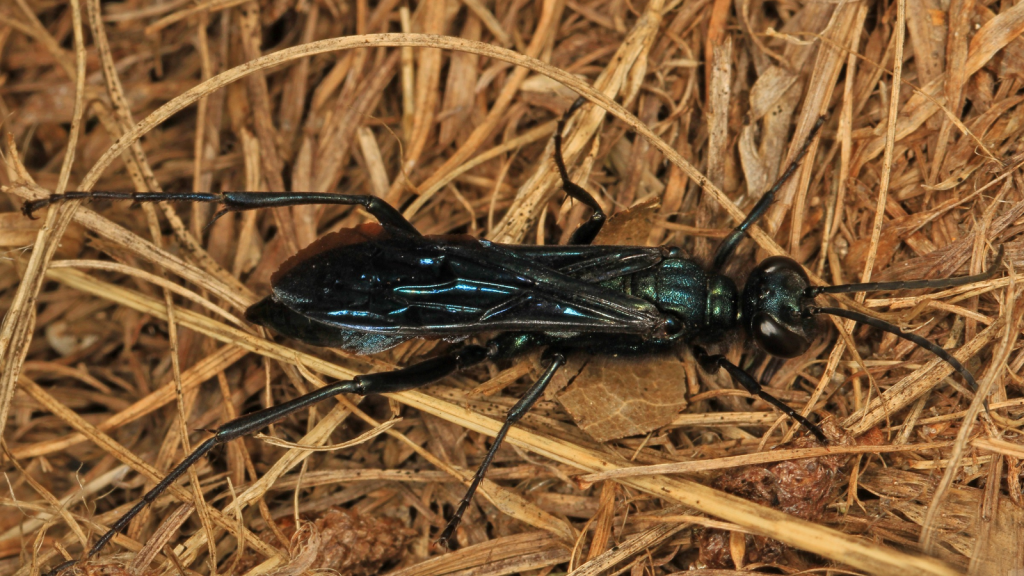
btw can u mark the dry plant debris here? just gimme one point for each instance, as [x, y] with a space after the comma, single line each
[337, 539]
[801, 487]
[121, 339]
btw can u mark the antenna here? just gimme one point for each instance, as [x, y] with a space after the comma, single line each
[813, 291]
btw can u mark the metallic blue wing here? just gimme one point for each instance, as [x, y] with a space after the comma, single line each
[369, 280]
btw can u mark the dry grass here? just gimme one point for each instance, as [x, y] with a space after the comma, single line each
[122, 337]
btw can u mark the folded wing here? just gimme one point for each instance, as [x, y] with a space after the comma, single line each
[369, 280]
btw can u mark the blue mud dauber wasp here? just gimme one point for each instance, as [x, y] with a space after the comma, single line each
[370, 288]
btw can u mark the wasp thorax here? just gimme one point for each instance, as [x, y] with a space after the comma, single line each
[772, 305]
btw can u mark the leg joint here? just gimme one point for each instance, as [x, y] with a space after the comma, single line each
[471, 355]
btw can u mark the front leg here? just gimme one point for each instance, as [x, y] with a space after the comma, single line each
[728, 246]
[711, 363]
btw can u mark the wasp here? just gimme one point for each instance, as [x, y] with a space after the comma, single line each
[368, 289]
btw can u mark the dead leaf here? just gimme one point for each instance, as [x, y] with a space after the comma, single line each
[614, 397]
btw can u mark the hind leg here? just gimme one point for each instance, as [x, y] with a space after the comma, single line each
[419, 374]
[386, 214]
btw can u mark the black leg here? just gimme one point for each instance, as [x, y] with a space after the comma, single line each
[711, 363]
[515, 414]
[414, 376]
[774, 364]
[587, 231]
[237, 201]
[729, 244]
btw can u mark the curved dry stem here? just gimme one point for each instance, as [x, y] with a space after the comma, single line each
[426, 41]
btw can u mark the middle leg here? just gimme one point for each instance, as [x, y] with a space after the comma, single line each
[774, 365]
[515, 414]
[587, 231]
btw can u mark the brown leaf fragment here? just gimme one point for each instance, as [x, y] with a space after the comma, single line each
[630, 228]
[339, 541]
[615, 397]
[798, 487]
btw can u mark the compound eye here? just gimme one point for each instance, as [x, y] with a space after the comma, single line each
[780, 265]
[776, 338]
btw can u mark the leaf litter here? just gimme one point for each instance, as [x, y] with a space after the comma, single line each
[460, 139]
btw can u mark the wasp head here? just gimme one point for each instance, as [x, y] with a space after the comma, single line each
[773, 304]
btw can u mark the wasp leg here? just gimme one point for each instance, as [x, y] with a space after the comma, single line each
[587, 231]
[414, 376]
[515, 414]
[29, 208]
[237, 201]
[728, 246]
[711, 363]
[385, 213]
[774, 365]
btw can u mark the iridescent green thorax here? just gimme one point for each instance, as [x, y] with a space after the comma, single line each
[706, 305]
